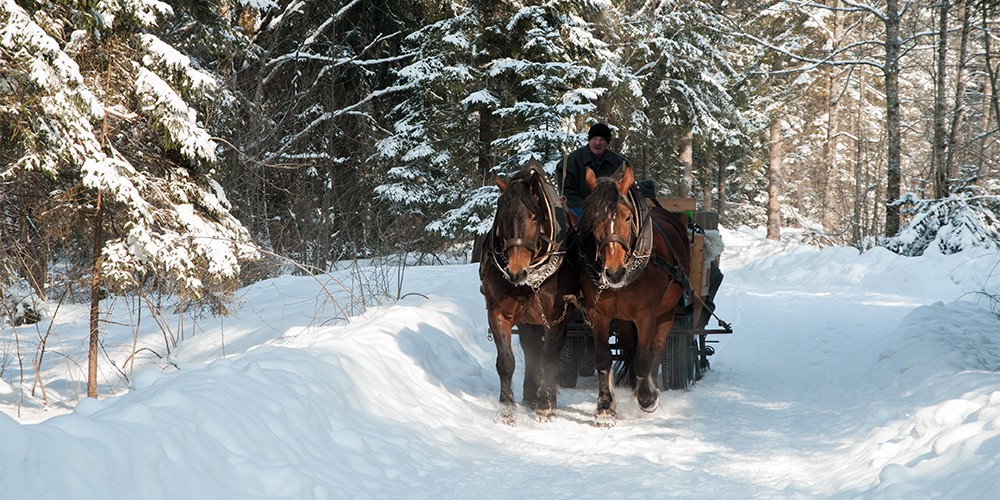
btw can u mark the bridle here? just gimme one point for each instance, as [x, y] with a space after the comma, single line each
[613, 237]
[531, 245]
[638, 246]
[547, 248]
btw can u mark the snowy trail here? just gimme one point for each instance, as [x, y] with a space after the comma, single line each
[780, 414]
[782, 390]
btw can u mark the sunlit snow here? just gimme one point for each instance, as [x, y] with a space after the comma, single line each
[849, 376]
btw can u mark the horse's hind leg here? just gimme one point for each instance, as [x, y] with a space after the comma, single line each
[607, 403]
[548, 370]
[531, 343]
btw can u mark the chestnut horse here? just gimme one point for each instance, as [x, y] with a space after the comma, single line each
[526, 278]
[636, 271]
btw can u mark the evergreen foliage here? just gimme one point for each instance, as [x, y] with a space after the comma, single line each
[311, 115]
[113, 116]
[490, 87]
[964, 220]
[532, 77]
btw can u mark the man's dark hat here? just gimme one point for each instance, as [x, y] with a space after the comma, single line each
[599, 130]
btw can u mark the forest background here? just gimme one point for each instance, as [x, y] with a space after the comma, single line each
[177, 150]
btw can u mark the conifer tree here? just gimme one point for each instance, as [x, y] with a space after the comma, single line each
[692, 86]
[492, 84]
[111, 119]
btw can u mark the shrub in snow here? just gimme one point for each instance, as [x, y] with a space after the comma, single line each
[964, 220]
[21, 310]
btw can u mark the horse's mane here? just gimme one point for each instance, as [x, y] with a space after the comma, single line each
[518, 192]
[600, 204]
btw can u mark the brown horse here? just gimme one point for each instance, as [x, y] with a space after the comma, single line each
[636, 272]
[526, 279]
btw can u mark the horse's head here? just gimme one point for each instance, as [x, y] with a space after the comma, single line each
[609, 218]
[517, 227]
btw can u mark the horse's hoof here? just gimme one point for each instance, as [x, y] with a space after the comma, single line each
[547, 415]
[605, 423]
[506, 415]
[650, 407]
[605, 419]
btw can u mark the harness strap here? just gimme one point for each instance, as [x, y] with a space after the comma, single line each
[519, 242]
[676, 273]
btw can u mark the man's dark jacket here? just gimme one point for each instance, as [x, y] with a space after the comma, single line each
[574, 187]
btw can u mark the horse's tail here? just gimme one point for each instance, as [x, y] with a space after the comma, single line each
[627, 344]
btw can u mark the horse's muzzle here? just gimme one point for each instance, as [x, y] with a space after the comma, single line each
[518, 277]
[614, 276]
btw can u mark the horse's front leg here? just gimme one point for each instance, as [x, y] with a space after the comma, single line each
[607, 402]
[548, 371]
[652, 337]
[500, 327]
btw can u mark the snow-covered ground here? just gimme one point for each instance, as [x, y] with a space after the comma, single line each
[849, 375]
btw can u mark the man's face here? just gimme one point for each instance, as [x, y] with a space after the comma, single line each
[597, 146]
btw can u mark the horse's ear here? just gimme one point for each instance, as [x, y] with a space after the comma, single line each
[627, 178]
[535, 168]
[591, 179]
[532, 164]
[502, 184]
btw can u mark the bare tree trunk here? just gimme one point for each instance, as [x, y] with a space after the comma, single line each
[830, 151]
[95, 301]
[991, 102]
[646, 174]
[939, 170]
[485, 140]
[720, 208]
[893, 165]
[248, 19]
[687, 161]
[957, 111]
[875, 221]
[991, 71]
[981, 173]
[706, 177]
[774, 180]
[706, 195]
[95, 272]
[860, 181]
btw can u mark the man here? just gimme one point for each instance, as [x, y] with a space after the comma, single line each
[595, 155]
